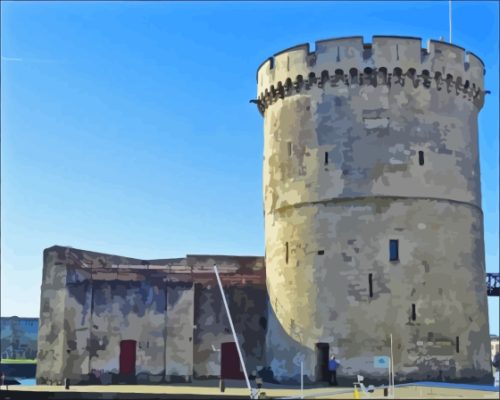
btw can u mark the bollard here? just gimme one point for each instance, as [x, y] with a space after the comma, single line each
[386, 392]
[66, 383]
[258, 381]
[222, 386]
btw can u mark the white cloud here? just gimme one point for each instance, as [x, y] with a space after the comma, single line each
[30, 60]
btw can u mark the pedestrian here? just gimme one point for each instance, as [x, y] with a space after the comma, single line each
[332, 367]
[2, 379]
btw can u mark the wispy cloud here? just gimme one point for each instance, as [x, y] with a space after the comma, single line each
[30, 60]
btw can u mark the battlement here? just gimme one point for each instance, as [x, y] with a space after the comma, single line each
[349, 60]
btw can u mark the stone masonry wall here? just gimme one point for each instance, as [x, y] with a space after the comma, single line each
[363, 144]
[51, 331]
[91, 302]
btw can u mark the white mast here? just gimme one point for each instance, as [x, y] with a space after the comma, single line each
[449, 12]
[252, 395]
[392, 370]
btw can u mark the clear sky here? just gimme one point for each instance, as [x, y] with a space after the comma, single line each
[126, 127]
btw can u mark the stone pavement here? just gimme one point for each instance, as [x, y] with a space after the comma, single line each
[196, 391]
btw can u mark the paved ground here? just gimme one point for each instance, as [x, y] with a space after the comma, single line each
[191, 391]
[420, 392]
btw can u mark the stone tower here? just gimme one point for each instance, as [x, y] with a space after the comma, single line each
[373, 209]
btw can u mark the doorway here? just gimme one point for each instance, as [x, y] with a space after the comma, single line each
[230, 367]
[127, 357]
[322, 352]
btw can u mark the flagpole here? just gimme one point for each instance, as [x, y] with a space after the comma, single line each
[389, 384]
[301, 379]
[449, 12]
[392, 369]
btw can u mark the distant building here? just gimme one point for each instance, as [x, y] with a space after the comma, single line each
[18, 337]
[495, 345]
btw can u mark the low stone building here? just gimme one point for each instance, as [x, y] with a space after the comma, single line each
[107, 319]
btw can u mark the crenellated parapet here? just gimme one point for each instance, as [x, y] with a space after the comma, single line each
[388, 60]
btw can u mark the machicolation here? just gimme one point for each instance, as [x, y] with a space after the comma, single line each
[388, 60]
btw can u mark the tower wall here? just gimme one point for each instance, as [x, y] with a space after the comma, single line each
[365, 144]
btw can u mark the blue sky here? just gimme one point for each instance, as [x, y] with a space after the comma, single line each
[126, 126]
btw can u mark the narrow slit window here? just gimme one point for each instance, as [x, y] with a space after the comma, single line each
[326, 158]
[286, 252]
[393, 250]
[457, 344]
[413, 312]
[289, 149]
[421, 158]
[370, 284]
[321, 252]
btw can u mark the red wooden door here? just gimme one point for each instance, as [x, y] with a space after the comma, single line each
[127, 357]
[230, 367]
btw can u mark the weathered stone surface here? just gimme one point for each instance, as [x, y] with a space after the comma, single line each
[248, 307]
[51, 330]
[91, 302]
[363, 144]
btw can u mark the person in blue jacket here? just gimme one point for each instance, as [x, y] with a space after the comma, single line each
[332, 367]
